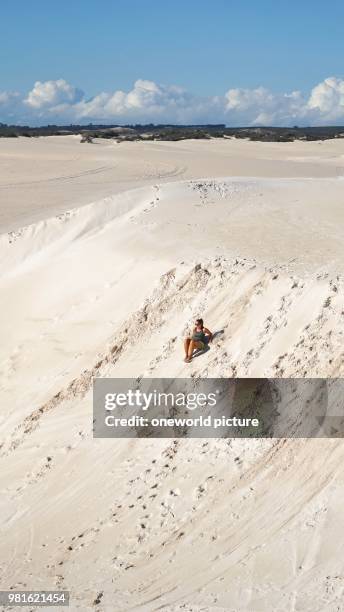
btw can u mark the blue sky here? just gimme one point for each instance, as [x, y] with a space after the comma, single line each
[206, 47]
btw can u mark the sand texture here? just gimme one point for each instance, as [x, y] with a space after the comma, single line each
[108, 253]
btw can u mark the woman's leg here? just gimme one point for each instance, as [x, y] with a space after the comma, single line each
[192, 346]
[186, 345]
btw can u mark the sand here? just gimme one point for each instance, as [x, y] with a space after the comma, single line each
[247, 235]
[42, 177]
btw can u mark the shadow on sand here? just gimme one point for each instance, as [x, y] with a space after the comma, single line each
[200, 352]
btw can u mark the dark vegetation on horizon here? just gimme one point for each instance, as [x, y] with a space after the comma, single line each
[175, 132]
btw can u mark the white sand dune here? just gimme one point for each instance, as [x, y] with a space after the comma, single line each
[43, 177]
[110, 289]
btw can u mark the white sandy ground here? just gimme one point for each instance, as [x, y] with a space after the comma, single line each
[109, 289]
[42, 177]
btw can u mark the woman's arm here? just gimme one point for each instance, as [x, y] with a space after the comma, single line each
[208, 333]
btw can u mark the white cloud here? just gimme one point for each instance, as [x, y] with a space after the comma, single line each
[148, 102]
[263, 107]
[52, 93]
[327, 99]
[7, 97]
[10, 103]
[245, 99]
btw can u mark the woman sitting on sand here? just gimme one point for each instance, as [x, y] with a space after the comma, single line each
[200, 338]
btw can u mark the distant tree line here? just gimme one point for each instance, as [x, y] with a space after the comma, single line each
[172, 132]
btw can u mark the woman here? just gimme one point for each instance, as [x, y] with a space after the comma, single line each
[200, 338]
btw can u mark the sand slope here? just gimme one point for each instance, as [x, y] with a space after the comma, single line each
[110, 289]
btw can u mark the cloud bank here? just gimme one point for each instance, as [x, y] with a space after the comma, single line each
[148, 102]
[53, 95]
